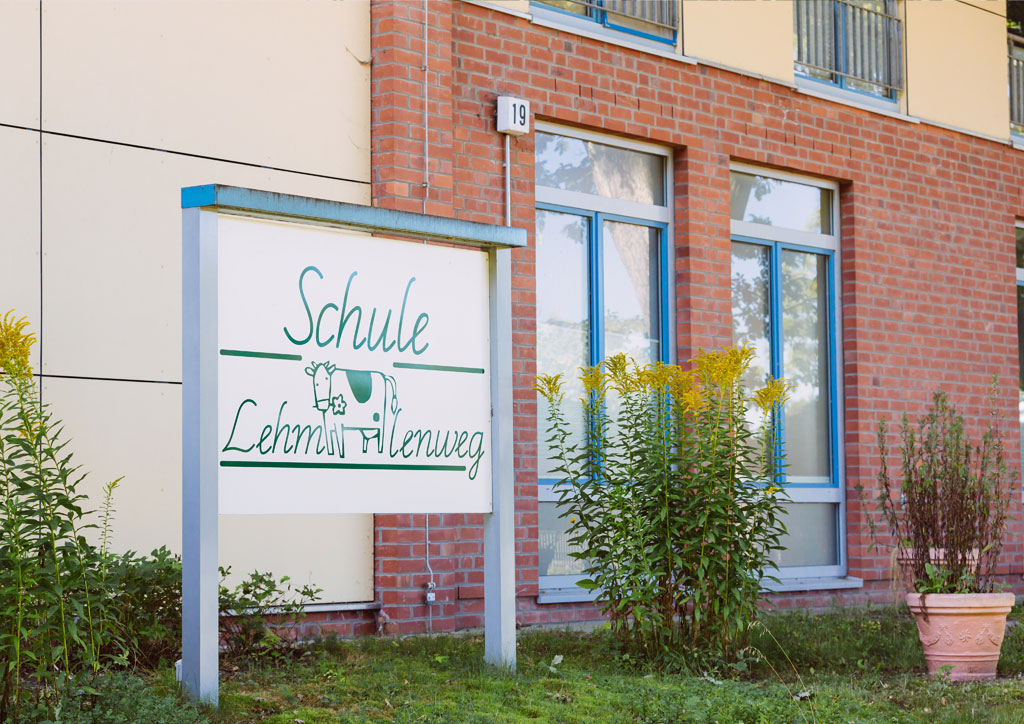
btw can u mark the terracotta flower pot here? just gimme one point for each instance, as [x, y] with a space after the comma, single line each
[961, 630]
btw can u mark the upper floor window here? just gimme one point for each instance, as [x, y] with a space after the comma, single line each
[1016, 48]
[654, 19]
[853, 44]
[1015, 51]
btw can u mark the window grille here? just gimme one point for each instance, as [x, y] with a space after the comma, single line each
[655, 12]
[1016, 53]
[654, 18]
[856, 44]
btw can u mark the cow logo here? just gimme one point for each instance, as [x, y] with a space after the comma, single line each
[353, 401]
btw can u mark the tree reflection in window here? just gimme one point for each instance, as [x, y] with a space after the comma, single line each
[588, 167]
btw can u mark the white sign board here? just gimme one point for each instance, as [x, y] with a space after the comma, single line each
[330, 371]
[353, 372]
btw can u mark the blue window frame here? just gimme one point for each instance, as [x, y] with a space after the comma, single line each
[599, 230]
[856, 45]
[652, 19]
[778, 342]
[605, 292]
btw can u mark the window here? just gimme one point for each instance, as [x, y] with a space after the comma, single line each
[852, 44]
[602, 252]
[654, 19]
[784, 248]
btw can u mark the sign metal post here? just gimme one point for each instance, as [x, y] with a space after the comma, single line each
[216, 244]
[499, 524]
[199, 578]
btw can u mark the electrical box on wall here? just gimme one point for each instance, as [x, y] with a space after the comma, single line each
[513, 116]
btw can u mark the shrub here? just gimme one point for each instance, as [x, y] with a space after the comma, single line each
[146, 595]
[56, 624]
[671, 499]
[146, 598]
[948, 514]
[69, 609]
[248, 610]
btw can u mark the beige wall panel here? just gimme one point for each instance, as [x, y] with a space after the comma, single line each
[278, 83]
[992, 6]
[133, 430]
[332, 552]
[112, 252]
[957, 67]
[19, 63]
[19, 226]
[752, 35]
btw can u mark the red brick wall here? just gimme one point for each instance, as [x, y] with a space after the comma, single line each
[927, 248]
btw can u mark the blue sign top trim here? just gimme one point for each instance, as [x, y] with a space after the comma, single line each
[252, 202]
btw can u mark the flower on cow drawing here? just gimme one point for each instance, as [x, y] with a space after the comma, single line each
[338, 404]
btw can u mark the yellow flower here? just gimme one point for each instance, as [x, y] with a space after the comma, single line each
[594, 383]
[31, 431]
[684, 388]
[775, 392]
[15, 344]
[658, 376]
[771, 490]
[550, 388]
[692, 397]
[621, 377]
[724, 367]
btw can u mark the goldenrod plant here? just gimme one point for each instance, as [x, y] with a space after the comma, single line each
[54, 624]
[673, 499]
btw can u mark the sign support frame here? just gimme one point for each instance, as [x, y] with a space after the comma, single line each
[200, 580]
[199, 517]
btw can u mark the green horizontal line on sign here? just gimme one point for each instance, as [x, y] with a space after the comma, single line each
[439, 368]
[260, 355]
[339, 466]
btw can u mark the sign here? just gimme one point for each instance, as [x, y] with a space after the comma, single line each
[354, 372]
[327, 369]
[513, 116]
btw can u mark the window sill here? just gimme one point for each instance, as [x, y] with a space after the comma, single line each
[330, 607]
[575, 594]
[853, 99]
[568, 594]
[813, 584]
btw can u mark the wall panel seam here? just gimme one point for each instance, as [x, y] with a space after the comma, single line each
[250, 164]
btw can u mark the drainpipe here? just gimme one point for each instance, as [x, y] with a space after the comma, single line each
[430, 594]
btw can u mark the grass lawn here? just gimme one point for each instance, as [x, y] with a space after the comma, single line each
[842, 666]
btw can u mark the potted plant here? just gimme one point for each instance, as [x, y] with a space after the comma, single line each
[947, 514]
